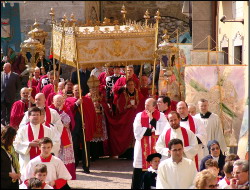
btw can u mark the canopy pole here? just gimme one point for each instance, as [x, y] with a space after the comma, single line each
[80, 95]
[157, 18]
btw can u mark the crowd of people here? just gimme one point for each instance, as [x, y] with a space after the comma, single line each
[50, 129]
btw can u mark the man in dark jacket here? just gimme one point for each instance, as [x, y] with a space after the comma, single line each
[10, 85]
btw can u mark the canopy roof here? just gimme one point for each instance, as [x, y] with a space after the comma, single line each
[98, 45]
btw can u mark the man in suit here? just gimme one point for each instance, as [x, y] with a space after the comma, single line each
[10, 85]
[84, 76]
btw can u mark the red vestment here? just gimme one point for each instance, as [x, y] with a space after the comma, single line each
[120, 126]
[89, 114]
[34, 82]
[148, 142]
[17, 112]
[120, 83]
[47, 89]
[38, 87]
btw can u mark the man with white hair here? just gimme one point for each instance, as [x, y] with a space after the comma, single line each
[10, 84]
[240, 173]
[192, 109]
[19, 108]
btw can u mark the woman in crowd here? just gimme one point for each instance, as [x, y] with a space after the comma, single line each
[10, 168]
[206, 180]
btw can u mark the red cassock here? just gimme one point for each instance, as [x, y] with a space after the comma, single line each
[38, 87]
[34, 82]
[102, 85]
[120, 83]
[89, 115]
[17, 112]
[120, 126]
[47, 89]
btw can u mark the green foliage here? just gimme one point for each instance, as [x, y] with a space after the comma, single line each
[197, 86]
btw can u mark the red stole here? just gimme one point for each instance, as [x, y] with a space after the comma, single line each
[184, 134]
[64, 137]
[48, 116]
[34, 151]
[147, 146]
[226, 180]
[192, 128]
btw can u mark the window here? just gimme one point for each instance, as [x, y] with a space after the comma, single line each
[238, 55]
[225, 49]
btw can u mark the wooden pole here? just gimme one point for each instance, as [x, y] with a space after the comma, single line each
[61, 48]
[157, 18]
[52, 14]
[208, 49]
[80, 95]
[141, 66]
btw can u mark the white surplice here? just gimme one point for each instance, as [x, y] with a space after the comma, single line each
[214, 131]
[139, 131]
[55, 120]
[56, 169]
[189, 151]
[56, 127]
[201, 133]
[176, 176]
[21, 143]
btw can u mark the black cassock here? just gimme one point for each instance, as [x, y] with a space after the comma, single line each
[149, 180]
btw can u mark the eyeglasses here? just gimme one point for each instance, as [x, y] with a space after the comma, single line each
[217, 148]
[213, 186]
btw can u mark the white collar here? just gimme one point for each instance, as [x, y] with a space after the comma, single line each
[150, 169]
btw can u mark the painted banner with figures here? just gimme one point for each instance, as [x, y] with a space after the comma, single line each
[225, 87]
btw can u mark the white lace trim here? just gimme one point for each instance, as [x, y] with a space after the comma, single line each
[104, 128]
[66, 154]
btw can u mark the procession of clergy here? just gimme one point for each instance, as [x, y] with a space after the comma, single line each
[159, 134]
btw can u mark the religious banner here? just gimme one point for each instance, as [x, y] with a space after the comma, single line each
[103, 44]
[171, 78]
[225, 88]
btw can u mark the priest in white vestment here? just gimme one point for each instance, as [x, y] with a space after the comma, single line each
[26, 141]
[176, 172]
[57, 174]
[213, 125]
[52, 120]
[196, 126]
[176, 131]
[147, 125]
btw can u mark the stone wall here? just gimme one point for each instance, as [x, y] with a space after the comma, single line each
[40, 10]
[170, 11]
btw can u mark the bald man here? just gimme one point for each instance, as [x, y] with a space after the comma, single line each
[19, 108]
[192, 109]
[51, 115]
[196, 126]
[35, 78]
[10, 85]
[66, 153]
[148, 125]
